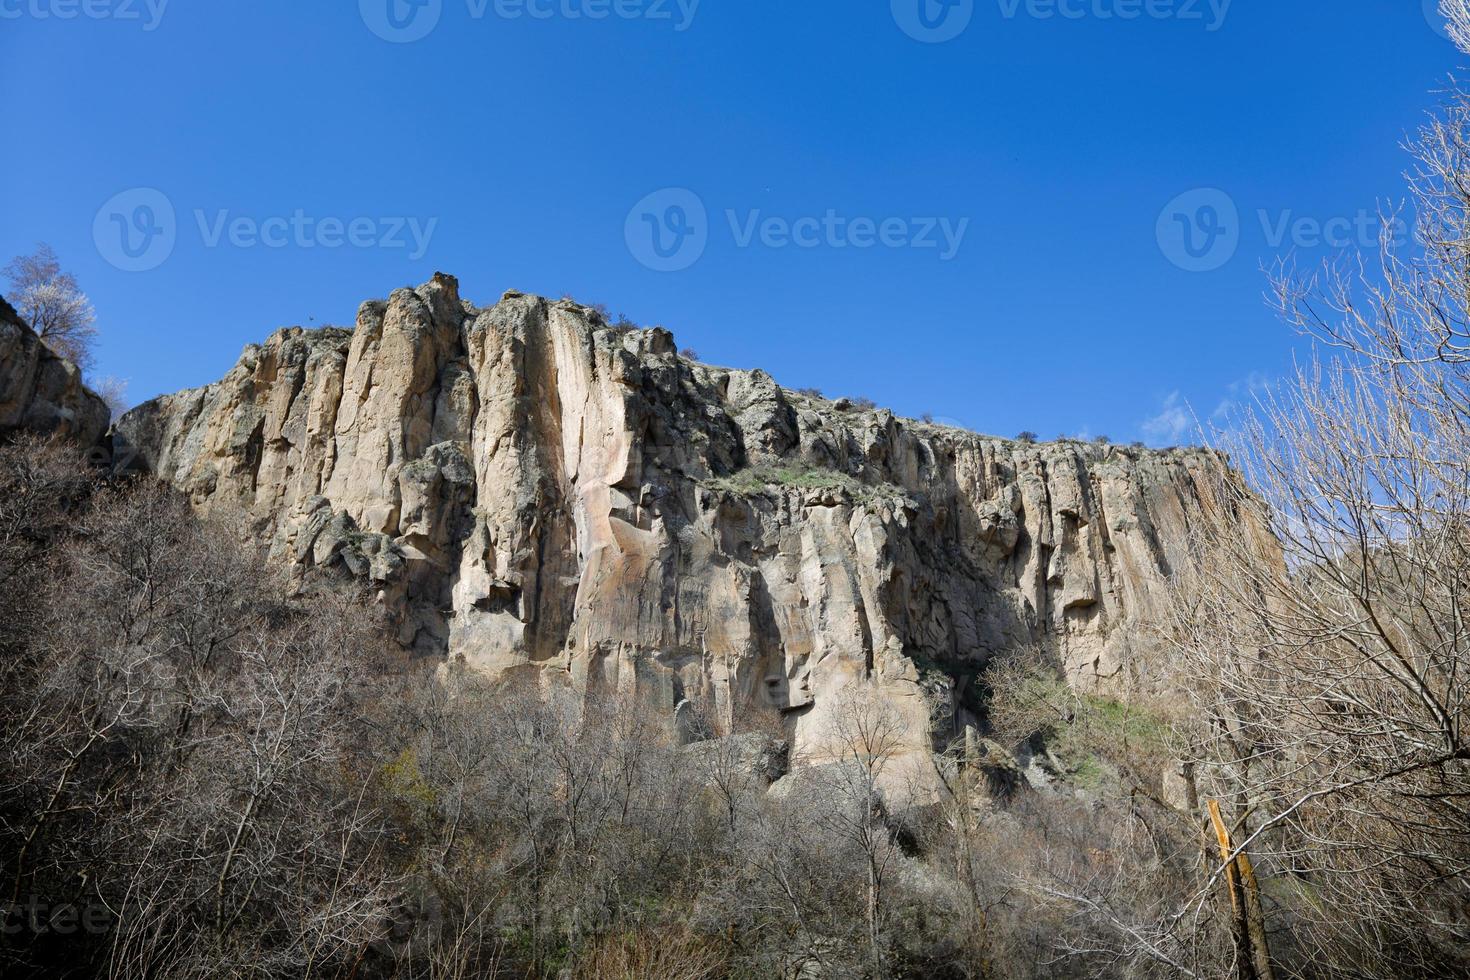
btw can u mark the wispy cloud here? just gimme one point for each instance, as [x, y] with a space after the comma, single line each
[1172, 422]
[1239, 394]
[1176, 421]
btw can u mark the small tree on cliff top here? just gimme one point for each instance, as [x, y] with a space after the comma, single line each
[53, 304]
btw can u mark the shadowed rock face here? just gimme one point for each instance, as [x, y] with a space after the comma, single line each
[41, 391]
[535, 492]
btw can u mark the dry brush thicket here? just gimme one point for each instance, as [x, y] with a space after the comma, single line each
[213, 771]
[1328, 686]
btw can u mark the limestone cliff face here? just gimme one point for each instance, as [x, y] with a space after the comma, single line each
[42, 392]
[536, 492]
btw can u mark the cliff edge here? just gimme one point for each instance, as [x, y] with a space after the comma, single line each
[534, 491]
[40, 391]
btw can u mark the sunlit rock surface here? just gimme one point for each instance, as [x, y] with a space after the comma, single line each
[42, 392]
[533, 491]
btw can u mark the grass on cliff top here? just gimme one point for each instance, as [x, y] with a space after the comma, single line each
[754, 480]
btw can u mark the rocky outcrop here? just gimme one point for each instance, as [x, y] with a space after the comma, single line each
[42, 392]
[537, 493]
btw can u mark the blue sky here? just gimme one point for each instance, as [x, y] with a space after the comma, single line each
[989, 226]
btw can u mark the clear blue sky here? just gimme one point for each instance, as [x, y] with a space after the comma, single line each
[531, 141]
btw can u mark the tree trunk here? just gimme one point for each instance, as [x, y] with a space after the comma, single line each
[1255, 918]
[1248, 920]
[873, 916]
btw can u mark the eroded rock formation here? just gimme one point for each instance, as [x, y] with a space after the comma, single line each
[534, 491]
[40, 391]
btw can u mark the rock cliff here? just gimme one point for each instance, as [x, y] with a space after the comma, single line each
[42, 392]
[533, 491]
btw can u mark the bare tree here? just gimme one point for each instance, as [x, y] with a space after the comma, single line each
[180, 747]
[53, 304]
[1457, 16]
[861, 794]
[112, 390]
[1324, 649]
[42, 480]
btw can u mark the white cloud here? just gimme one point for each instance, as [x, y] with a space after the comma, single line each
[1176, 421]
[1240, 394]
[1172, 422]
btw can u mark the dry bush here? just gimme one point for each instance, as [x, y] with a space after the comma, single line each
[673, 953]
[228, 766]
[1324, 653]
[179, 750]
[42, 483]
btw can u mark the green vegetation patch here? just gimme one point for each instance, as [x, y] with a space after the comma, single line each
[1089, 735]
[754, 480]
[1123, 722]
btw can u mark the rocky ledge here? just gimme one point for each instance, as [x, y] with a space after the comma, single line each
[40, 391]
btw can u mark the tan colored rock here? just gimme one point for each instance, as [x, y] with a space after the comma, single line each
[40, 391]
[537, 493]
